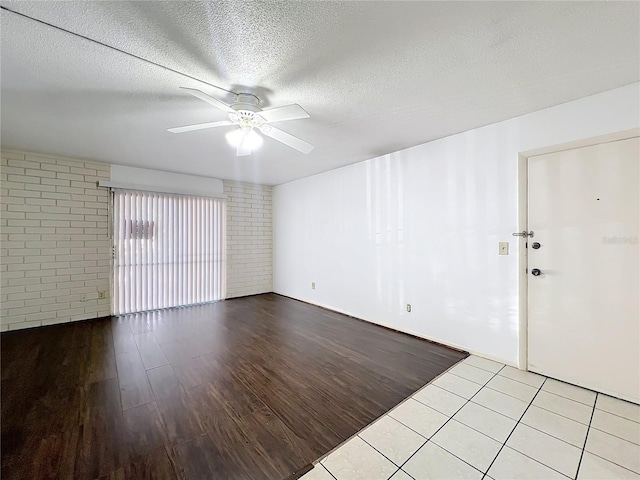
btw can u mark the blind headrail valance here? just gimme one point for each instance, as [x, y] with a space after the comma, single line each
[142, 179]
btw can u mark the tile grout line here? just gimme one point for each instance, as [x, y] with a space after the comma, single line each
[482, 386]
[502, 376]
[517, 423]
[394, 463]
[500, 391]
[619, 416]
[614, 463]
[429, 439]
[504, 444]
[410, 397]
[549, 434]
[328, 471]
[615, 414]
[543, 432]
[561, 415]
[497, 373]
[504, 393]
[595, 400]
[542, 408]
[382, 454]
[563, 382]
[448, 420]
[533, 459]
[568, 398]
[612, 434]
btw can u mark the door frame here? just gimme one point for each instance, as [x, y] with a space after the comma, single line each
[523, 211]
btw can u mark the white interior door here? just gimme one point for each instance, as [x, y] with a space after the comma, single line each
[584, 307]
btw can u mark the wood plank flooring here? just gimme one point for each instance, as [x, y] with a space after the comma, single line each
[251, 388]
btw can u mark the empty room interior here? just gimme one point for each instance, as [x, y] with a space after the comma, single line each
[355, 240]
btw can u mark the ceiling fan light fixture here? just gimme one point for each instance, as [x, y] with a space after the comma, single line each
[246, 114]
[247, 138]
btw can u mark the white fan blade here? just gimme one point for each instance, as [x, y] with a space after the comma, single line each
[210, 100]
[242, 151]
[287, 139]
[200, 126]
[280, 114]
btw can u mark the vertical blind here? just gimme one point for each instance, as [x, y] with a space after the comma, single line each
[168, 250]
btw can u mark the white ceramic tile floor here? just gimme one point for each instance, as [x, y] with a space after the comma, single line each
[458, 385]
[484, 420]
[529, 378]
[391, 438]
[357, 460]
[468, 444]
[570, 391]
[422, 419]
[627, 410]
[433, 461]
[501, 403]
[615, 425]
[472, 373]
[563, 406]
[548, 450]
[556, 425]
[440, 399]
[512, 388]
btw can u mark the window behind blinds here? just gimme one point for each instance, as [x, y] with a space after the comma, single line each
[168, 250]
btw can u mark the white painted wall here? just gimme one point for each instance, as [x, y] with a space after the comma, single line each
[422, 226]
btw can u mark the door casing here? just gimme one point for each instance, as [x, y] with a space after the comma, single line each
[523, 279]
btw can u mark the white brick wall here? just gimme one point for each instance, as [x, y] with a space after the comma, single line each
[249, 239]
[55, 250]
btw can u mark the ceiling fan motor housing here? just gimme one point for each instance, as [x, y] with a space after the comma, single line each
[246, 102]
[246, 107]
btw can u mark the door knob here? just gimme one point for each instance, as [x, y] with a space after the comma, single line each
[536, 272]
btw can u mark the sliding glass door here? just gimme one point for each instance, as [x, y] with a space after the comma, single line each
[168, 250]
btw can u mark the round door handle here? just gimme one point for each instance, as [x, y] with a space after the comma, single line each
[536, 272]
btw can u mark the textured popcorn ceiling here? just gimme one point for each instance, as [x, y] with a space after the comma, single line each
[375, 76]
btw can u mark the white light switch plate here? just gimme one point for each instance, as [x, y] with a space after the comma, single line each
[503, 248]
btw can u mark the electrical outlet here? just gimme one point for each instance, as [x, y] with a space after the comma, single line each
[313, 285]
[409, 307]
[503, 248]
[102, 294]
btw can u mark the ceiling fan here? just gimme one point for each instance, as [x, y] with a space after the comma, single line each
[249, 117]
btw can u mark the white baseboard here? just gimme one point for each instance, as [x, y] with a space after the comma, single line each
[409, 332]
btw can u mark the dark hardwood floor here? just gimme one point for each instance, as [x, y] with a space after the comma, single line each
[251, 388]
